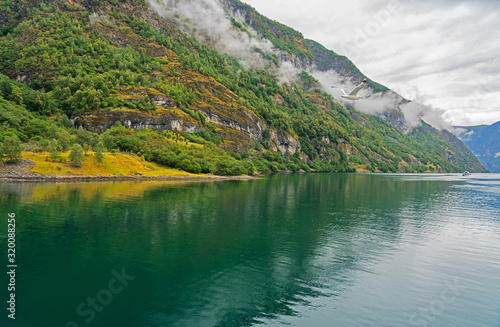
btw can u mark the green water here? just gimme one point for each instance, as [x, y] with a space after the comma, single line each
[287, 250]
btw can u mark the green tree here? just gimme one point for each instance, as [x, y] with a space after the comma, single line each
[44, 144]
[85, 137]
[64, 140]
[41, 101]
[54, 149]
[17, 95]
[86, 148]
[11, 148]
[99, 152]
[76, 156]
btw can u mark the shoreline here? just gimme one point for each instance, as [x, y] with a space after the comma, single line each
[41, 178]
[22, 171]
[106, 178]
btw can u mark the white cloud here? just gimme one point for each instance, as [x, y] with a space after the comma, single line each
[287, 72]
[464, 135]
[446, 49]
[373, 104]
[213, 24]
[379, 103]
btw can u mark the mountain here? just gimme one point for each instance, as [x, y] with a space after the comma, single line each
[200, 85]
[483, 141]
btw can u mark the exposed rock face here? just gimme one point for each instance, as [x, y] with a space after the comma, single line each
[396, 117]
[3, 20]
[284, 142]
[239, 135]
[159, 99]
[297, 61]
[252, 125]
[247, 15]
[161, 119]
[326, 60]
[162, 101]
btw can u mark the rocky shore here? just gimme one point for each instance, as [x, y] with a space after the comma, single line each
[21, 172]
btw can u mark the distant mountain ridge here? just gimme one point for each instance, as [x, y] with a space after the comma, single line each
[484, 141]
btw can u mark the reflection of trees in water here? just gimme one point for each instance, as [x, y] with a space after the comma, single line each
[227, 253]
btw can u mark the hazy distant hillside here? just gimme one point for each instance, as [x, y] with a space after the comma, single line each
[484, 141]
[199, 86]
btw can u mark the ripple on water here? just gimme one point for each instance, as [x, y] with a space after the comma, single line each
[302, 250]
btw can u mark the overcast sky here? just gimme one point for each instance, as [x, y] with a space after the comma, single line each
[442, 53]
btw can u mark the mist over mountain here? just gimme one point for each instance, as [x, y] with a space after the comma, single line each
[236, 89]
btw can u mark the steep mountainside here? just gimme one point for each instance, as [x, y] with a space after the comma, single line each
[228, 91]
[484, 143]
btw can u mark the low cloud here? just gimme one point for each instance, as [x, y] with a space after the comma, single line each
[330, 78]
[378, 103]
[373, 103]
[415, 112]
[466, 135]
[287, 72]
[211, 23]
[208, 21]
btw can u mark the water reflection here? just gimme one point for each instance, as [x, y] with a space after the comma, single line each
[233, 253]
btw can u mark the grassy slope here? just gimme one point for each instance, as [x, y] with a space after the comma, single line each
[117, 164]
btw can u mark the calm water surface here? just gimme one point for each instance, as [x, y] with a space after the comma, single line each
[287, 250]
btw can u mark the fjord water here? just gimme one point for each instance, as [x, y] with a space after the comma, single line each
[286, 250]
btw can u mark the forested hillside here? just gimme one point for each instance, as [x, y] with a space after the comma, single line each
[120, 76]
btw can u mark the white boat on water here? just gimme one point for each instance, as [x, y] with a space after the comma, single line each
[465, 173]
